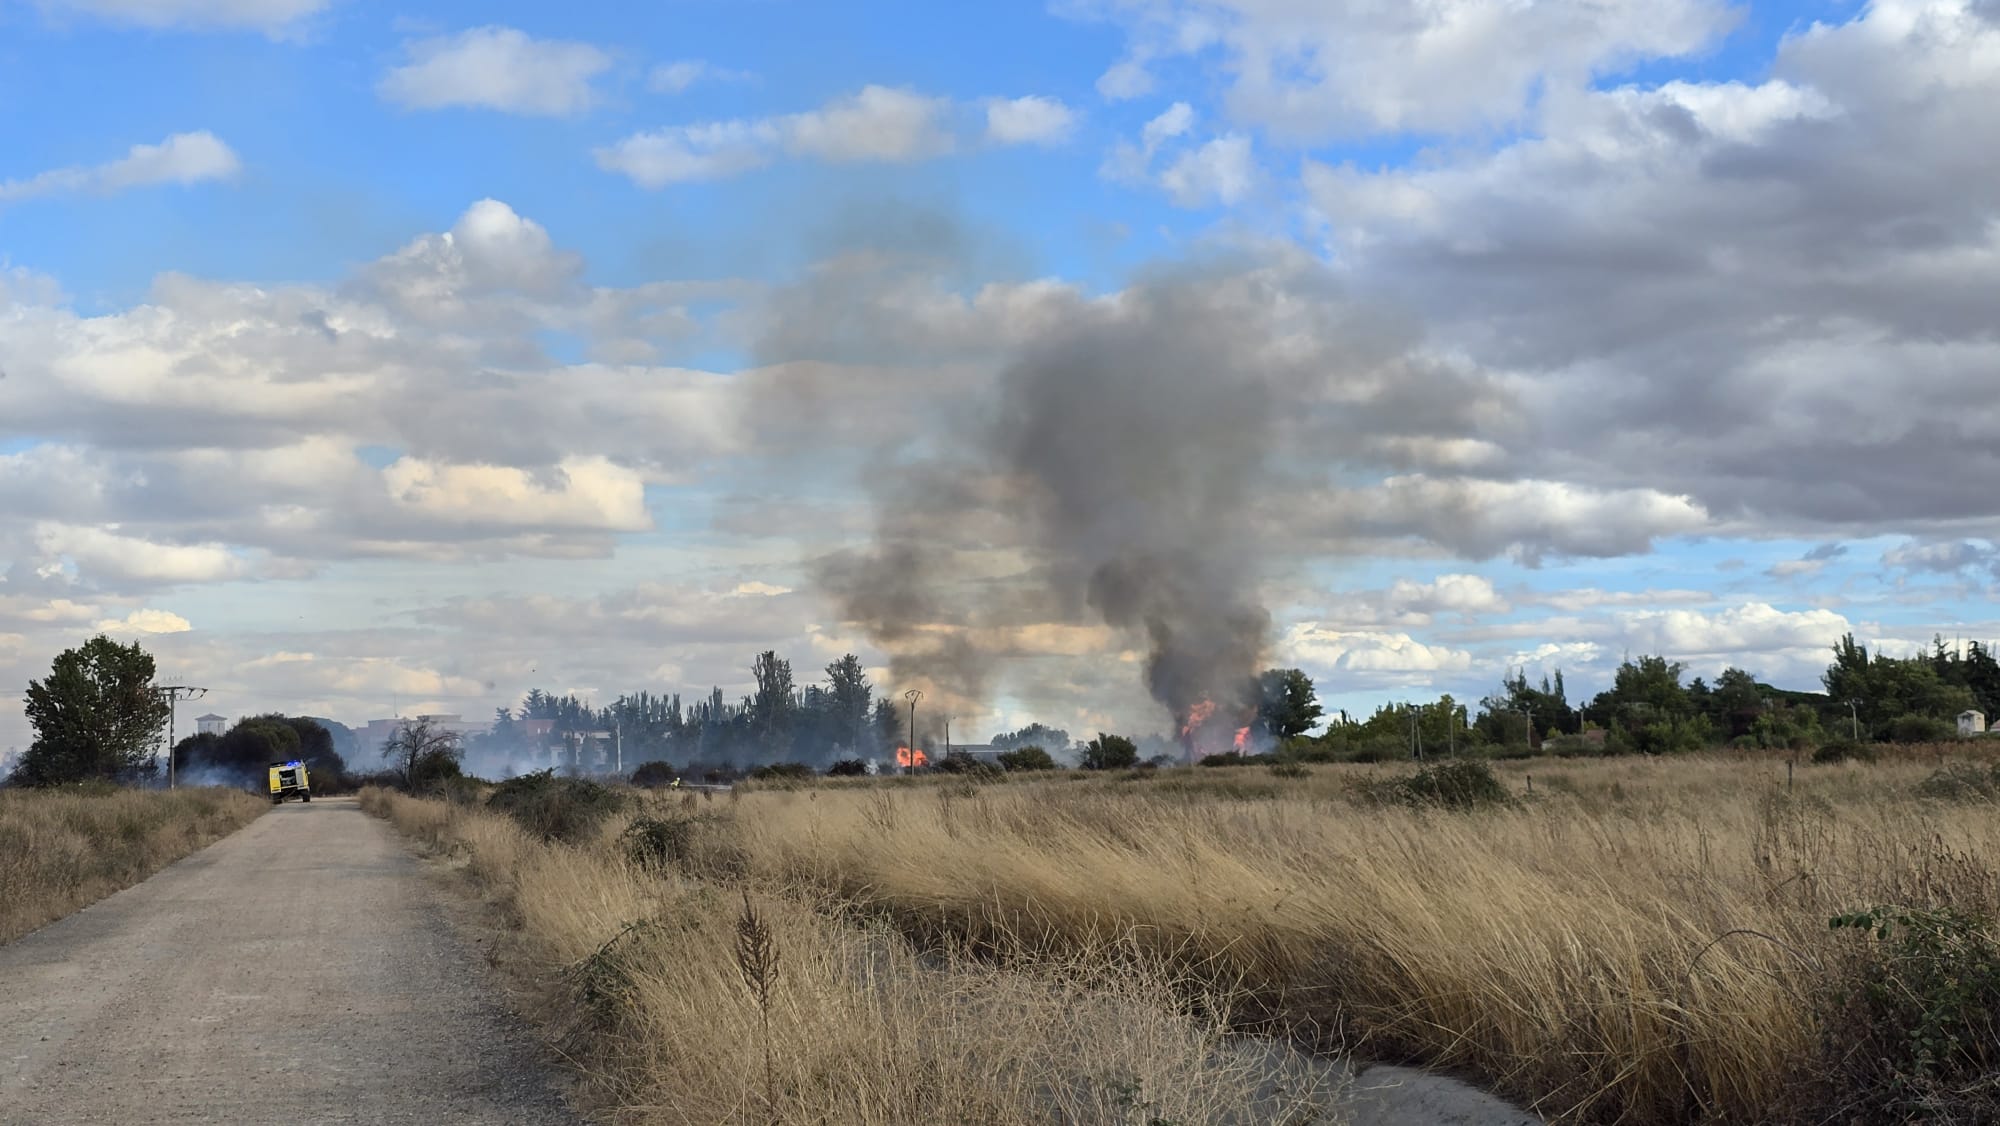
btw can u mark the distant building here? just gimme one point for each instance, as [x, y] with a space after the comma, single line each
[211, 724]
[1971, 723]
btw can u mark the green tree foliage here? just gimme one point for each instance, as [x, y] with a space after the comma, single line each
[1036, 735]
[1287, 703]
[772, 707]
[1885, 689]
[1647, 709]
[96, 715]
[848, 700]
[1030, 757]
[1522, 715]
[242, 755]
[888, 727]
[1110, 752]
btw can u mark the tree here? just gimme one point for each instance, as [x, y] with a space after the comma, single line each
[1029, 757]
[1109, 752]
[888, 725]
[772, 708]
[96, 715]
[848, 696]
[1287, 703]
[420, 750]
[1035, 734]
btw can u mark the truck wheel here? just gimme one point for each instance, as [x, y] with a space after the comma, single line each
[305, 797]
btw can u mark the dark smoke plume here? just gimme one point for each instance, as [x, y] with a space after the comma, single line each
[1126, 467]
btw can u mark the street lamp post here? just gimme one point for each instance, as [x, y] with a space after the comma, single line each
[913, 695]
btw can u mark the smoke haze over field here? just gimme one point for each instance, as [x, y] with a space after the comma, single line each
[1138, 461]
[1142, 345]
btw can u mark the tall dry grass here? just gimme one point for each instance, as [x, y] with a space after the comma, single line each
[653, 983]
[1640, 941]
[63, 850]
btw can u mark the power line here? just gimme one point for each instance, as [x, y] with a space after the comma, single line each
[176, 693]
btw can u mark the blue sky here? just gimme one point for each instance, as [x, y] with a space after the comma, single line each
[362, 356]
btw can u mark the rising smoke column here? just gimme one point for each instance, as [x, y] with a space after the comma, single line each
[1134, 455]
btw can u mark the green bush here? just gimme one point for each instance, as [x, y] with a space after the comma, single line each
[1921, 729]
[1110, 752]
[653, 775]
[1029, 757]
[555, 809]
[1914, 1035]
[1453, 784]
[658, 842]
[1844, 750]
[962, 762]
[1232, 758]
[1962, 782]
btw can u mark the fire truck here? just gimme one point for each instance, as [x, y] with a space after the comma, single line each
[288, 780]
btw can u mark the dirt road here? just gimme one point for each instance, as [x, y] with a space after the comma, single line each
[301, 971]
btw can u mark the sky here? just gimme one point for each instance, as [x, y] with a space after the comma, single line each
[363, 359]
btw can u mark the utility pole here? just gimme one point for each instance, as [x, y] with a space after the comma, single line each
[913, 695]
[618, 746]
[1854, 716]
[947, 739]
[176, 693]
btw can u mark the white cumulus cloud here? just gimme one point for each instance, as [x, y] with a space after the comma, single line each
[183, 158]
[877, 123]
[1032, 120]
[499, 68]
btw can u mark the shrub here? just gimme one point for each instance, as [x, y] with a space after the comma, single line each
[1454, 784]
[1844, 750]
[847, 768]
[653, 775]
[1917, 1016]
[1961, 782]
[1921, 729]
[784, 772]
[555, 809]
[1109, 752]
[1289, 768]
[962, 762]
[658, 842]
[432, 771]
[1029, 757]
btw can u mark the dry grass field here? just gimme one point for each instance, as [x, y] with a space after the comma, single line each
[63, 850]
[1619, 940]
[686, 1001]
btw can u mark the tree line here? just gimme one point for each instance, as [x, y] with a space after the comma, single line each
[98, 714]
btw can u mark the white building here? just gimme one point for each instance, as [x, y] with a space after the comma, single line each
[211, 724]
[1971, 723]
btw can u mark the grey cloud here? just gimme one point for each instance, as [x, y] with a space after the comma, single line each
[1771, 298]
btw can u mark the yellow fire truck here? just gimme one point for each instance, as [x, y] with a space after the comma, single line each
[288, 780]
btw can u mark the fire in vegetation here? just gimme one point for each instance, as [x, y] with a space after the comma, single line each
[913, 759]
[1207, 730]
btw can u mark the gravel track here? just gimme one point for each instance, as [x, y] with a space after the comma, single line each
[303, 970]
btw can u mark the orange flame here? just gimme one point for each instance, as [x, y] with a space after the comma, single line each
[1197, 716]
[1242, 737]
[907, 757]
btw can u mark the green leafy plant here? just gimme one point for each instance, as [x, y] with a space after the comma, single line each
[555, 809]
[1917, 1028]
